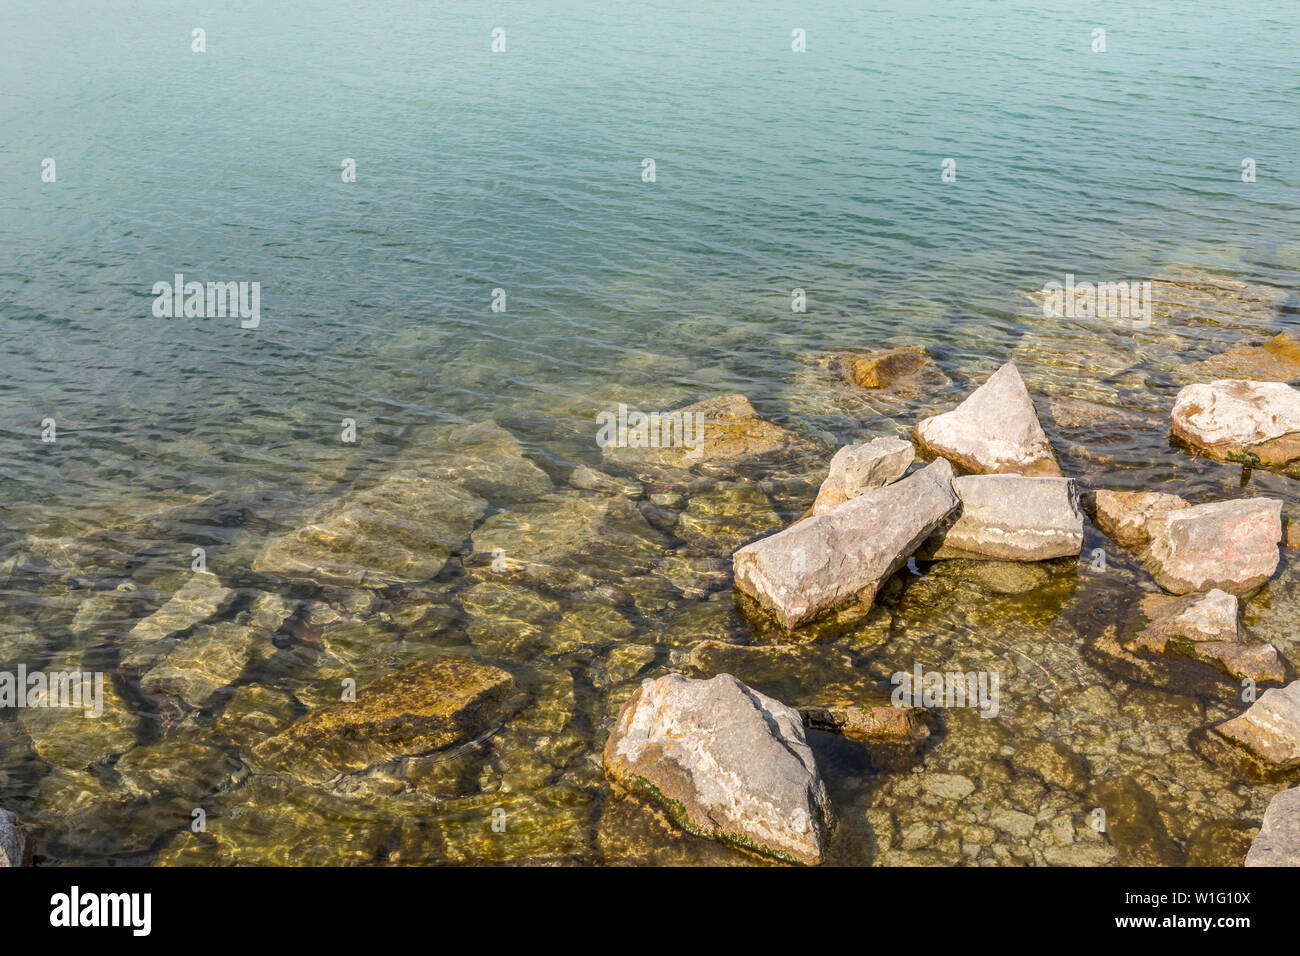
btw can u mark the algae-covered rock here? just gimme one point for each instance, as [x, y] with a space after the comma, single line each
[417, 710]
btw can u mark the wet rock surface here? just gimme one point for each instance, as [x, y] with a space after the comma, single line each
[1231, 545]
[827, 560]
[1011, 518]
[994, 431]
[726, 761]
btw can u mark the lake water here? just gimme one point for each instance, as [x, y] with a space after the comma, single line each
[522, 171]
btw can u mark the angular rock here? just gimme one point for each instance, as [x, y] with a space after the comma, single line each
[14, 850]
[418, 710]
[1255, 423]
[1278, 842]
[1011, 518]
[1230, 545]
[402, 530]
[1123, 515]
[727, 763]
[201, 597]
[830, 559]
[1204, 628]
[483, 457]
[859, 468]
[1269, 731]
[994, 431]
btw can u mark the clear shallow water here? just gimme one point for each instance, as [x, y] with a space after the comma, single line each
[522, 171]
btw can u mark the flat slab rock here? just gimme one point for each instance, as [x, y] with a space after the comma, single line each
[1278, 842]
[827, 560]
[1204, 627]
[1241, 420]
[859, 468]
[399, 531]
[1011, 518]
[1230, 545]
[994, 431]
[1269, 731]
[417, 710]
[727, 762]
[1123, 515]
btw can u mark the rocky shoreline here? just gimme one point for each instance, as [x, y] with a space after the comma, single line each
[577, 660]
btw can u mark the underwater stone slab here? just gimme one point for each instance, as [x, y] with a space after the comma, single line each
[726, 761]
[1230, 545]
[65, 737]
[1277, 360]
[401, 531]
[994, 431]
[1278, 842]
[1270, 729]
[826, 560]
[1123, 515]
[198, 599]
[1012, 518]
[13, 842]
[859, 468]
[417, 710]
[1240, 420]
[213, 657]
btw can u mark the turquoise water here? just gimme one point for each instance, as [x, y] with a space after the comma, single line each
[522, 171]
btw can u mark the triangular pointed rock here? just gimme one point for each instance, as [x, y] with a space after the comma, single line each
[995, 431]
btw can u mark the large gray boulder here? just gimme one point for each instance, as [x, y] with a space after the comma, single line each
[859, 468]
[1012, 518]
[727, 762]
[1231, 545]
[13, 842]
[1278, 842]
[1269, 731]
[826, 560]
[1241, 420]
[995, 431]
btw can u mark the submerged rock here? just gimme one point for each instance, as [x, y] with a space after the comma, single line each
[13, 842]
[213, 657]
[1011, 518]
[1123, 515]
[1255, 423]
[994, 431]
[417, 710]
[400, 531]
[1268, 733]
[1231, 545]
[908, 370]
[859, 468]
[1278, 843]
[1277, 360]
[483, 457]
[828, 560]
[200, 598]
[1134, 825]
[67, 736]
[568, 540]
[726, 761]
[726, 516]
